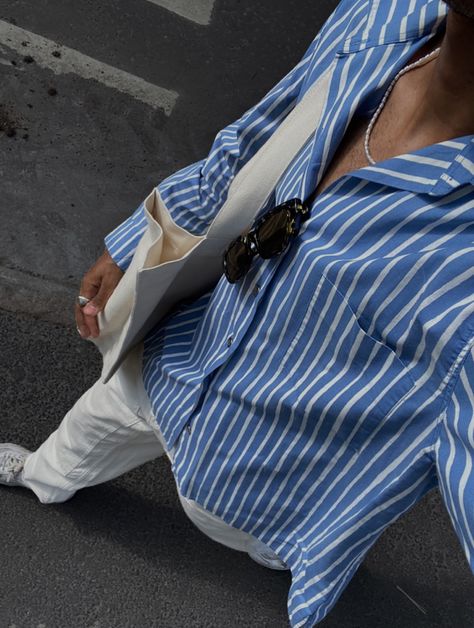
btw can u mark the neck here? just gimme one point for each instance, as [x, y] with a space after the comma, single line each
[445, 90]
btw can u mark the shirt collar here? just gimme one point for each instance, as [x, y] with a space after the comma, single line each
[397, 22]
[436, 169]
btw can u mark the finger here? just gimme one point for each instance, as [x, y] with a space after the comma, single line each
[98, 301]
[92, 325]
[88, 288]
[80, 322]
[97, 304]
[90, 285]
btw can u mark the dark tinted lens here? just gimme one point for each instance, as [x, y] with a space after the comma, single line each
[272, 235]
[238, 261]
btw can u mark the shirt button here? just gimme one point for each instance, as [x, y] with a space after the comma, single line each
[188, 428]
[230, 340]
[256, 289]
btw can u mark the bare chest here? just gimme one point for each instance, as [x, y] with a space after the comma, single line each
[350, 154]
[385, 139]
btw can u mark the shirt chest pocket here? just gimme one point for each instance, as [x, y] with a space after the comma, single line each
[344, 381]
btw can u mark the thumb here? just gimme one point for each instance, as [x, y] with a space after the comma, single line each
[97, 303]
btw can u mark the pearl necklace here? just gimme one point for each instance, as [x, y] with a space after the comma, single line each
[421, 61]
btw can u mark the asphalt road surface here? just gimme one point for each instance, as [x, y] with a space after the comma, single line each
[99, 101]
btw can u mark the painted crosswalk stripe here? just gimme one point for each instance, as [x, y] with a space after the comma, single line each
[199, 11]
[73, 61]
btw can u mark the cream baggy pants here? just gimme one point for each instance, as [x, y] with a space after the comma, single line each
[110, 430]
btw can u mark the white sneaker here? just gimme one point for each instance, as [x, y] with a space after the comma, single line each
[12, 459]
[263, 555]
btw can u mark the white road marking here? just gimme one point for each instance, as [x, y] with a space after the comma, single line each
[73, 61]
[196, 10]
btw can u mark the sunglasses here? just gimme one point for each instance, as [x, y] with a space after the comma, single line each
[270, 236]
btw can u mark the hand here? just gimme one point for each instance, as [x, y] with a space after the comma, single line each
[97, 284]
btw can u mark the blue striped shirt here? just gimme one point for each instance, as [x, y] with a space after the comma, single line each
[317, 400]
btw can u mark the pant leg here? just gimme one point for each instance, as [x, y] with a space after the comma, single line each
[105, 434]
[218, 530]
[213, 526]
[110, 430]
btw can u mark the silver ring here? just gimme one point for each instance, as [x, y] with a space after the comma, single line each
[82, 300]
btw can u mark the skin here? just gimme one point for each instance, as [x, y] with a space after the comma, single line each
[437, 104]
[441, 104]
[433, 102]
[97, 284]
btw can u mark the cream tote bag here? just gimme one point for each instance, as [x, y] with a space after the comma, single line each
[171, 264]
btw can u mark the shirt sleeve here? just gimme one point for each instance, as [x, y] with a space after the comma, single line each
[454, 453]
[195, 194]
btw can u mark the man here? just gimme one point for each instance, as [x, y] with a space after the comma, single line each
[308, 405]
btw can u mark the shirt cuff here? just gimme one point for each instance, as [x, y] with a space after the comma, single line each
[122, 242]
